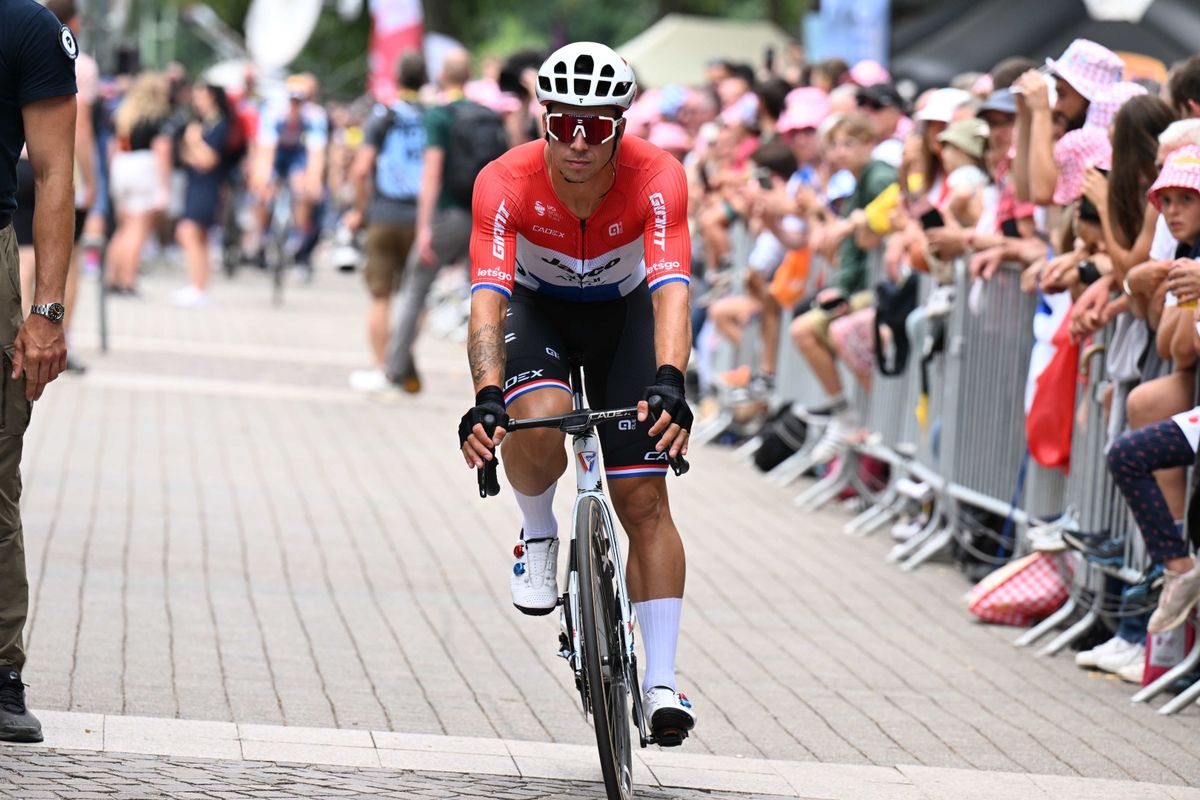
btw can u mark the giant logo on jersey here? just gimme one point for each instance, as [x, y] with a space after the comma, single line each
[659, 204]
[499, 228]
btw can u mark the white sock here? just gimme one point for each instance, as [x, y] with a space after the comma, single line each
[659, 621]
[539, 514]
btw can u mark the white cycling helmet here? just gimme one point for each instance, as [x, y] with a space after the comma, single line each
[586, 74]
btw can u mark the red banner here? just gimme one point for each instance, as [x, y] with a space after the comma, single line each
[396, 26]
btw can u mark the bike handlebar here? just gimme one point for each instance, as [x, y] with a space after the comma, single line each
[575, 423]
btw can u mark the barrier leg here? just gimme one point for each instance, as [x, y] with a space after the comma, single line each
[1152, 690]
[830, 486]
[710, 429]
[878, 515]
[746, 451]
[1080, 628]
[1048, 624]
[905, 549]
[1181, 700]
[793, 467]
[934, 545]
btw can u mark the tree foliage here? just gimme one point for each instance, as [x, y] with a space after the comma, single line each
[337, 51]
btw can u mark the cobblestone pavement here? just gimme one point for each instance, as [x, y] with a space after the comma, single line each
[217, 528]
[33, 775]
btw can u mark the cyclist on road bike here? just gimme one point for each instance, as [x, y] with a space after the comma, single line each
[292, 137]
[580, 250]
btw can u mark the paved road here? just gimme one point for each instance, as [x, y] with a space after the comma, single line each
[218, 529]
[37, 775]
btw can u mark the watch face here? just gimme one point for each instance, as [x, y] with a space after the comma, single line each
[55, 312]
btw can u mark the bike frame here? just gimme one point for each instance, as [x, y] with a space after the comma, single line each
[586, 448]
[581, 425]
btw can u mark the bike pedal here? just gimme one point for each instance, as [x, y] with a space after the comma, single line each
[670, 737]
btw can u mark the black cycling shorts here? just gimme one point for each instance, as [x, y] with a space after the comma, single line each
[614, 342]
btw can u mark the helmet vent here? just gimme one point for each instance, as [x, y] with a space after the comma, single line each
[544, 83]
[560, 68]
[622, 89]
[560, 85]
[582, 86]
[603, 88]
[584, 65]
[607, 71]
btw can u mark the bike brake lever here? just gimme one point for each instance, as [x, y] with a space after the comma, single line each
[679, 464]
[489, 482]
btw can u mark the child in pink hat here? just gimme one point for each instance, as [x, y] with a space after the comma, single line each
[1176, 195]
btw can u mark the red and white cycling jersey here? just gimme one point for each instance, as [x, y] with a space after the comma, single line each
[522, 233]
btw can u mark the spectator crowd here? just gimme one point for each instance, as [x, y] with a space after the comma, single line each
[808, 185]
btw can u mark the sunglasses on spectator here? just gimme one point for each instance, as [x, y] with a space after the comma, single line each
[596, 130]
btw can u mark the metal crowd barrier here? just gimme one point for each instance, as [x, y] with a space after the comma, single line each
[727, 355]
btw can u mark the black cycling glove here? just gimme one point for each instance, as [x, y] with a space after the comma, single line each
[668, 384]
[489, 401]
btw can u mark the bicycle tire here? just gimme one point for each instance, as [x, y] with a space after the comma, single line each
[602, 648]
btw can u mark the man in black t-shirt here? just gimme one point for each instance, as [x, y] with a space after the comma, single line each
[37, 92]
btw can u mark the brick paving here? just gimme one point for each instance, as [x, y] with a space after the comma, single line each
[38, 775]
[217, 528]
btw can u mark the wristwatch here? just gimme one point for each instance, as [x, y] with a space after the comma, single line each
[51, 311]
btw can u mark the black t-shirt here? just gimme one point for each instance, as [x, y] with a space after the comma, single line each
[144, 132]
[37, 60]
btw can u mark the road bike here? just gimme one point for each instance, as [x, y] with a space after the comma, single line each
[596, 616]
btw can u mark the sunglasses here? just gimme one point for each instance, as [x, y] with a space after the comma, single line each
[595, 130]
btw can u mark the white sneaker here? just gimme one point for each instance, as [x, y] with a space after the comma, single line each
[1133, 673]
[189, 297]
[368, 380]
[670, 715]
[534, 580]
[903, 531]
[834, 442]
[1122, 655]
[1047, 539]
[1089, 658]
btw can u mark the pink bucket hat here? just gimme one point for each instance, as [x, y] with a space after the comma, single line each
[807, 107]
[868, 73]
[1103, 109]
[1088, 67]
[1182, 171]
[1075, 153]
[670, 136]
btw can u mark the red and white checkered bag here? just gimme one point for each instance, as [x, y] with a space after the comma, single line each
[1022, 591]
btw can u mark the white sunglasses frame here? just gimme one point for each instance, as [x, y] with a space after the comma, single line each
[616, 124]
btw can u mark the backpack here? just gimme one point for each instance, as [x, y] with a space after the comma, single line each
[782, 436]
[477, 137]
[401, 154]
[235, 146]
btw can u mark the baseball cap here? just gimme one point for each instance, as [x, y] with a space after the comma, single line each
[1001, 100]
[807, 107]
[942, 104]
[1182, 171]
[1088, 67]
[1075, 153]
[968, 135]
[881, 94]
[869, 72]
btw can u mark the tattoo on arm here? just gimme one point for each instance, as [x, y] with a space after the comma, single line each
[485, 351]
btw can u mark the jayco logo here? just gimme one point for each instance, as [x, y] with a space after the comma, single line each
[539, 207]
[499, 226]
[660, 220]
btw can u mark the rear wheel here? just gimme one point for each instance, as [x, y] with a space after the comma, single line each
[601, 643]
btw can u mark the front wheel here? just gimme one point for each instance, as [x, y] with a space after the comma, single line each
[601, 643]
